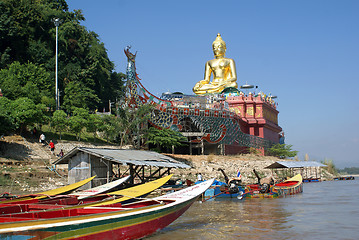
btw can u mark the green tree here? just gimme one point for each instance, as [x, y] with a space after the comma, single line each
[77, 95]
[25, 80]
[25, 112]
[330, 166]
[78, 121]
[110, 127]
[59, 121]
[49, 102]
[86, 66]
[94, 124]
[350, 170]
[166, 138]
[133, 124]
[282, 151]
[27, 34]
[7, 124]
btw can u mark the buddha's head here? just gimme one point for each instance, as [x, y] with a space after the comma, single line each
[219, 46]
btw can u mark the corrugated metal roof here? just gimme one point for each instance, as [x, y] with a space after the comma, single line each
[124, 156]
[295, 164]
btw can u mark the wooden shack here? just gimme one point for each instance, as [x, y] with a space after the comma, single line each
[109, 164]
[310, 170]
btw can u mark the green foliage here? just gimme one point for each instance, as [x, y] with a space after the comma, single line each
[254, 151]
[110, 127]
[86, 76]
[164, 137]
[94, 124]
[330, 166]
[79, 96]
[78, 121]
[25, 112]
[25, 80]
[59, 121]
[282, 151]
[7, 123]
[350, 170]
[48, 102]
[133, 124]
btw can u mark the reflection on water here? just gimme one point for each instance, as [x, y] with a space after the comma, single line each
[229, 219]
[325, 210]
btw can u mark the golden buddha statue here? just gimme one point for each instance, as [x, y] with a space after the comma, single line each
[223, 69]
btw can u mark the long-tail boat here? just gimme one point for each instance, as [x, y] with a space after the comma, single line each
[71, 202]
[62, 190]
[100, 189]
[116, 221]
[230, 188]
[291, 186]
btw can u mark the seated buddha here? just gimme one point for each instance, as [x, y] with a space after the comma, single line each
[223, 70]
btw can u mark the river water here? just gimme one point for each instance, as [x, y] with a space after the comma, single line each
[325, 210]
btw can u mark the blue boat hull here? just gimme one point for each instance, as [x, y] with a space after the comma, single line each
[214, 191]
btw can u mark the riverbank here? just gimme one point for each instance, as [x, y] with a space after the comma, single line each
[26, 165]
[209, 165]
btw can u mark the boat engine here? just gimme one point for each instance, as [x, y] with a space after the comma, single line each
[232, 185]
[233, 188]
[264, 188]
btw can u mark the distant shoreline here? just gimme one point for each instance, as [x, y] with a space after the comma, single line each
[348, 175]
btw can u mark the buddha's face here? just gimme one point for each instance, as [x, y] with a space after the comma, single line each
[219, 49]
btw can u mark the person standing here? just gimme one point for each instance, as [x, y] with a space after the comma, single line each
[42, 138]
[34, 132]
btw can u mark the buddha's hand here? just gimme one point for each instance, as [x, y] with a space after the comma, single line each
[231, 82]
[200, 84]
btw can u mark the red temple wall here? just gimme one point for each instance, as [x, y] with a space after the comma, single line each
[259, 116]
[234, 149]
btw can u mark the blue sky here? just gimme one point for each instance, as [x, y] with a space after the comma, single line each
[306, 52]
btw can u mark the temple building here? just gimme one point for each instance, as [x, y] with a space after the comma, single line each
[259, 116]
[256, 115]
[218, 118]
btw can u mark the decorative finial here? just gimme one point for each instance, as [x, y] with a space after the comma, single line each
[219, 40]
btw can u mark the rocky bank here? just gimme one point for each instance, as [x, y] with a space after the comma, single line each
[26, 165]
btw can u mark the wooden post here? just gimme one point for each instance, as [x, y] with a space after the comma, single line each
[132, 173]
[108, 171]
[202, 147]
[306, 172]
[143, 174]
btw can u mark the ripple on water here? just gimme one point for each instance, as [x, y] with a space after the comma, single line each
[325, 210]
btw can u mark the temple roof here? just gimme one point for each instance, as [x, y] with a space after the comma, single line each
[295, 164]
[125, 156]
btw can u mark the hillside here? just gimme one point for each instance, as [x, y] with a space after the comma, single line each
[26, 165]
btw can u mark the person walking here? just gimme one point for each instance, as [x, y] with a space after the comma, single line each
[52, 147]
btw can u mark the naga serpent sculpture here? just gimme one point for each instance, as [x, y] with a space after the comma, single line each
[217, 126]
